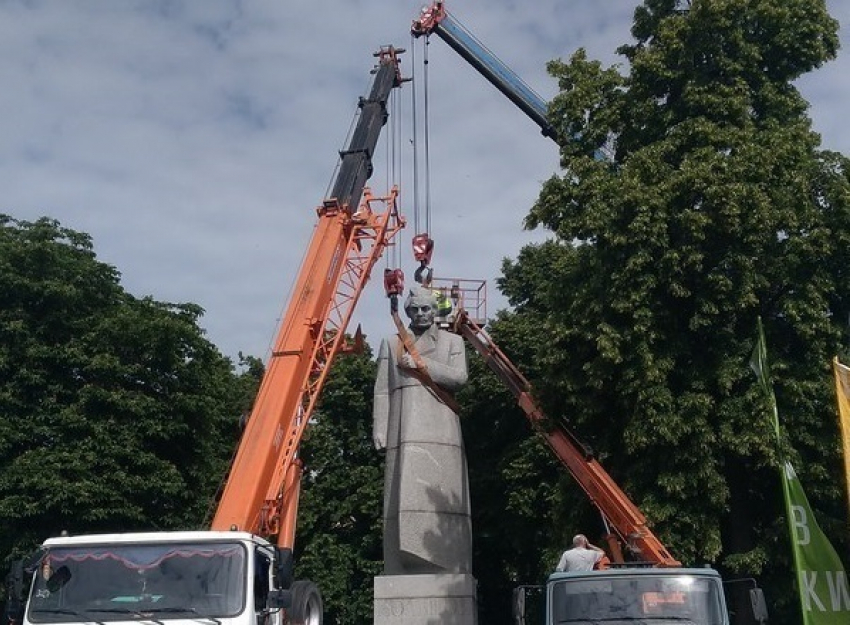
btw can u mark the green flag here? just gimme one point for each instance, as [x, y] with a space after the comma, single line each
[821, 579]
[824, 594]
[758, 363]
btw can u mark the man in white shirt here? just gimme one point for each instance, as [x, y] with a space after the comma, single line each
[582, 557]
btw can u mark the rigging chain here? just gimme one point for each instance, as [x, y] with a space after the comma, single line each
[423, 245]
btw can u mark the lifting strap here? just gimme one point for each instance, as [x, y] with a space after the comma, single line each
[421, 371]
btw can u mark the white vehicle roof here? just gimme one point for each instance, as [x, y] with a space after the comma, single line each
[641, 571]
[152, 537]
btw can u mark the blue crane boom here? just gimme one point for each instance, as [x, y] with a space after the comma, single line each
[435, 19]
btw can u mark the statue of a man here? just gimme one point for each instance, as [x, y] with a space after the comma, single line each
[427, 527]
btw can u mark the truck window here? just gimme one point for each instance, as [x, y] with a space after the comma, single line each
[108, 583]
[650, 597]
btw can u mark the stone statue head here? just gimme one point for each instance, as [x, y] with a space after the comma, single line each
[421, 307]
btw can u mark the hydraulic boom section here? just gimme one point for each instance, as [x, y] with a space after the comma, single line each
[356, 166]
[435, 19]
[618, 512]
[260, 495]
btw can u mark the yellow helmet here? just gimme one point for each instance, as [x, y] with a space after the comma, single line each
[444, 304]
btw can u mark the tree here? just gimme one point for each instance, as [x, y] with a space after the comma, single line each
[116, 414]
[339, 520]
[718, 208]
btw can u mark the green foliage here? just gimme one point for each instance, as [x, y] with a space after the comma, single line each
[718, 208]
[339, 520]
[634, 325]
[115, 412]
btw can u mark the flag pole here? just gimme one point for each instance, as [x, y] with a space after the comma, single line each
[842, 395]
[760, 366]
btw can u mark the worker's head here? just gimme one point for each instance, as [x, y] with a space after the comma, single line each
[444, 304]
[421, 306]
[580, 540]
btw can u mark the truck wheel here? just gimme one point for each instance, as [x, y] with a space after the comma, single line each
[306, 606]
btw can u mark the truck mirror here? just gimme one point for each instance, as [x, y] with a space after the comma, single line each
[285, 566]
[759, 605]
[518, 605]
[280, 599]
[59, 578]
[14, 611]
[15, 580]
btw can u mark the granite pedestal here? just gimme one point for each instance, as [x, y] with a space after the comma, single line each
[441, 599]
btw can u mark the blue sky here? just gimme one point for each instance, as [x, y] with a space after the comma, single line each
[193, 140]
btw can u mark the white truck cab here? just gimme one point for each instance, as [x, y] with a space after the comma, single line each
[193, 577]
[624, 596]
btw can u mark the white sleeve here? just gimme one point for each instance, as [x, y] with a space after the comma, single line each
[562, 563]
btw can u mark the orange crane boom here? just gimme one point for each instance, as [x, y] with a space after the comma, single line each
[261, 491]
[620, 514]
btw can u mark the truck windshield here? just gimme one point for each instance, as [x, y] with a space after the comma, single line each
[132, 581]
[674, 599]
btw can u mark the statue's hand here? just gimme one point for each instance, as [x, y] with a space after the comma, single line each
[380, 441]
[407, 361]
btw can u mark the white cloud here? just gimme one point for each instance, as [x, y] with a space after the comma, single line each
[193, 140]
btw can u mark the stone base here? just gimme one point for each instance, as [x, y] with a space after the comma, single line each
[444, 599]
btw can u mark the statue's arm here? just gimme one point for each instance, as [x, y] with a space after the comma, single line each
[381, 398]
[451, 374]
